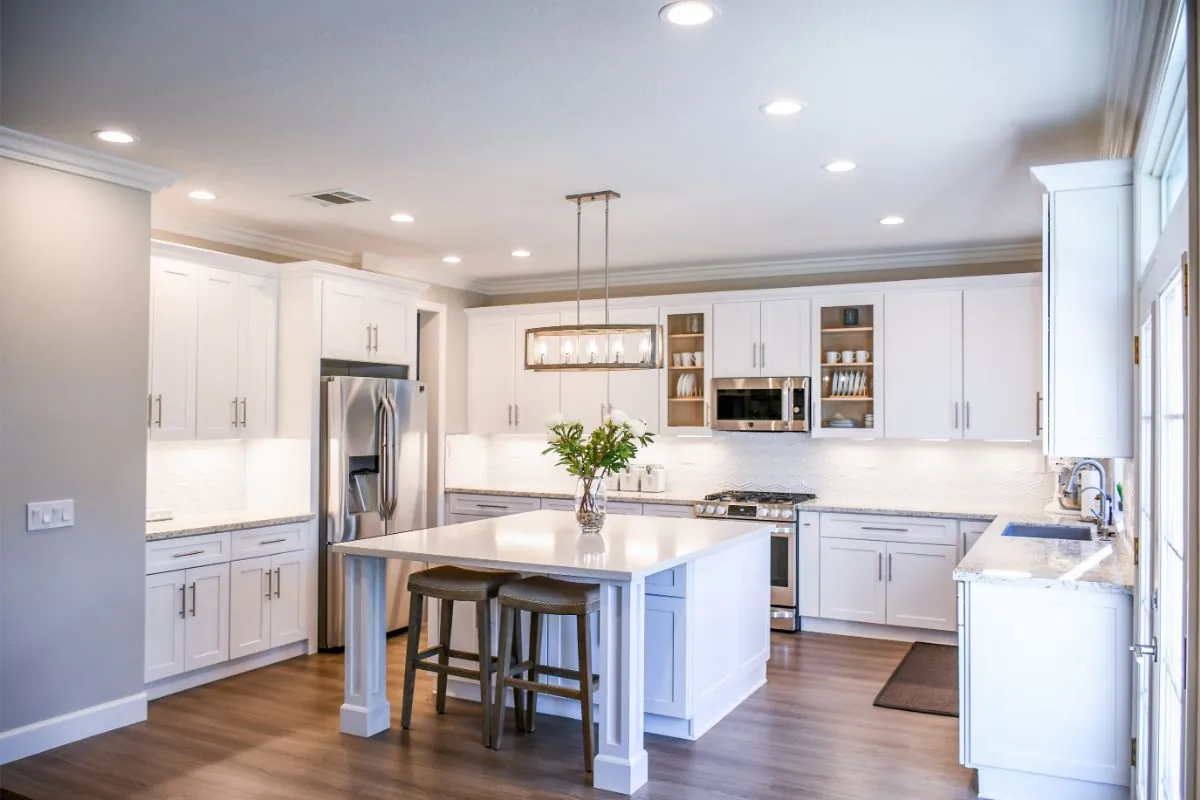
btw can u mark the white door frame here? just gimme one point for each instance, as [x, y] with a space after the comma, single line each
[438, 478]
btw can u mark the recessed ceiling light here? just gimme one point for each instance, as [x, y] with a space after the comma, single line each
[401, 218]
[521, 254]
[891, 219]
[201, 194]
[114, 137]
[781, 108]
[687, 13]
[451, 260]
[840, 166]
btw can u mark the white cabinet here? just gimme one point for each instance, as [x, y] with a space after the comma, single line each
[537, 394]
[173, 307]
[970, 530]
[808, 551]
[920, 589]
[1001, 362]
[684, 401]
[768, 338]
[250, 604]
[236, 355]
[666, 654]
[924, 357]
[366, 322]
[1087, 334]
[288, 598]
[635, 391]
[491, 373]
[165, 613]
[852, 584]
[584, 395]
[206, 626]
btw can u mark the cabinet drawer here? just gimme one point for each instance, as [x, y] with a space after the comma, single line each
[487, 505]
[615, 507]
[881, 528]
[185, 552]
[668, 583]
[665, 510]
[557, 504]
[254, 542]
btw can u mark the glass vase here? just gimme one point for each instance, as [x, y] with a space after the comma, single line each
[591, 504]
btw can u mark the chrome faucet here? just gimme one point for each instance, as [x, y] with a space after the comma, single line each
[1105, 499]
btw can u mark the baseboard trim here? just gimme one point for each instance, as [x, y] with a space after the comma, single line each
[190, 680]
[48, 734]
[1008, 784]
[870, 630]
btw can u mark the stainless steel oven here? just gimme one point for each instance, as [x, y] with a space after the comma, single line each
[760, 404]
[785, 595]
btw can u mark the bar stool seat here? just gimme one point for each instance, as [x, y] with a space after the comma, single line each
[539, 596]
[449, 585]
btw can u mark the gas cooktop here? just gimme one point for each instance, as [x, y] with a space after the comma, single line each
[751, 505]
[791, 498]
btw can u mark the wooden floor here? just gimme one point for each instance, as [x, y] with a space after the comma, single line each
[273, 735]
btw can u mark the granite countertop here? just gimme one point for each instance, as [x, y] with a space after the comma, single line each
[219, 522]
[1099, 565]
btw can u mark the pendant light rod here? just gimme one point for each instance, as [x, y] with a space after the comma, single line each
[578, 262]
[607, 195]
[606, 261]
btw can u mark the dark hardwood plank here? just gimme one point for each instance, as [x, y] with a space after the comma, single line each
[811, 733]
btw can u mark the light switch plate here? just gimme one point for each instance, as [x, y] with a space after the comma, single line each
[50, 514]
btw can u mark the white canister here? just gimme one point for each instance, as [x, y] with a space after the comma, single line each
[631, 479]
[612, 481]
[654, 478]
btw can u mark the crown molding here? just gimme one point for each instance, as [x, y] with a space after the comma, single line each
[257, 240]
[20, 146]
[996, 253]
[1138, 40]
[418, 272]
[1085, 174]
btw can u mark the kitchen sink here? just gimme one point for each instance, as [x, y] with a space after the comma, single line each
[1075, 533]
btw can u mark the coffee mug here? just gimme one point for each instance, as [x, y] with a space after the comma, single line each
[677, 359]
[698, 358]
[862, 356]
[831, 357]
[848, 356]
[687, 359]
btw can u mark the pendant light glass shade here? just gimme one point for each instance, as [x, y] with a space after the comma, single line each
[593, 347]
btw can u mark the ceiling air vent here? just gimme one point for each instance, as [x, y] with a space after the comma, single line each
[334, 197]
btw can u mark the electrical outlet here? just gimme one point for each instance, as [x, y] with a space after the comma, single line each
[50, 514]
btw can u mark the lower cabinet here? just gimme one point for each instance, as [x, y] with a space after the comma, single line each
[852, 586]
[970, 530]
[187, 620]
[666, 655]
[266, 603]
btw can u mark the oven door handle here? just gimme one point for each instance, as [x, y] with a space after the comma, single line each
[787, 401]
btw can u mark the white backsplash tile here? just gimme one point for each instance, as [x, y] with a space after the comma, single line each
[1009, 476]
[196, 477]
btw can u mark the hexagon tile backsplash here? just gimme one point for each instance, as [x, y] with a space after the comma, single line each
[1008, 476]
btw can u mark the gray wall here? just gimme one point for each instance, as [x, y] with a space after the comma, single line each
[74, 304]
[455, 301]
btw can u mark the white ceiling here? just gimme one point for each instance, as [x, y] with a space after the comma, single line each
[477, 116]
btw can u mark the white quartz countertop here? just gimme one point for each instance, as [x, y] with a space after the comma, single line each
[1099, 565]
[550, 542]
[219, 522]
[665, 498]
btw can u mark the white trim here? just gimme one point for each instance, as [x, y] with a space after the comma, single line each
[1085, 174]
[442, 332]
[227, 669]
[1011, 784]
[38, 737]
[870, 630]
[317, 269]
[256, 240]
[213, 258]
[21, 146]
[1139, 33]
[438, 276]
[996, 253]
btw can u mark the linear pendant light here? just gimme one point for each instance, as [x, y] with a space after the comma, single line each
[592, 348]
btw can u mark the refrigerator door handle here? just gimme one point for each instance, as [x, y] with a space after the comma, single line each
[393, 490]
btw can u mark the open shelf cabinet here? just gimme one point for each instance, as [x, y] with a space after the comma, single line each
[687, 335]
[847, 338]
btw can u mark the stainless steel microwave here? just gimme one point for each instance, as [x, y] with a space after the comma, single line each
[760, 404]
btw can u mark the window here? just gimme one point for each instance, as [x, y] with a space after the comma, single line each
[1175, 173]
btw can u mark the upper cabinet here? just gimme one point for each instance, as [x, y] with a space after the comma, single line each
[847, 332]
[503, 396]
[767, 339]
[365, 322]
[1087, 295]
[687, 359]
[924, 352]
[171, 405]
[1002, 360]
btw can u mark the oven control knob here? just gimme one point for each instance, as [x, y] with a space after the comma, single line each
[720, 511]
[710, 509]
[775, 513]
[700, 508]
[762, 512]
[787, 513]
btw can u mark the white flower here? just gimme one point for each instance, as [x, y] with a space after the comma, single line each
[554, 419]
[638, 426]
[618, 417]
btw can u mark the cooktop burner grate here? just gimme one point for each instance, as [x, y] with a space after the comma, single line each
[762, 497]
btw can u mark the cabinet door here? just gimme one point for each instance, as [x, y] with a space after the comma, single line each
[217, 346]
[920, 589]
[491, 374]
[585, 394]
[395, 329]
[258, 359]
[249, 606]
[1001, 362]
[666, 655]
[206, 638]
[735, 340]
[785, 348]
[164, 625]
[346, 322]
[635, 391]
[852, 584]
[287, 598]
[923, 353]
[971, 530]
[173, 310]
[537, 393]
[808, 551]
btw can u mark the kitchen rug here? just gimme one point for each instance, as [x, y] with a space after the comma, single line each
[925, 682]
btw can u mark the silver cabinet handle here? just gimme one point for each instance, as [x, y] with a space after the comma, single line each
[754, 354]
[967, 414]
[889, 566]
[510, 413]
[762, 354]
[193, 598]
[1037, 413]
[486, 505]
[243, 412]
[368, 337]
[235, 419]
[955, 415]
[188, 553]
[274, 541]
[517, 408]
[158, 401]
[881, 566]
[887, 530]
[277, 580]
[376, 328]
[268, 595]
[182, 601]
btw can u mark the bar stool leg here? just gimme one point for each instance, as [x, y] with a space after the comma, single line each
[483, 622]
[535, 654]
[444, 628]
[410, 661]
[507, 643]
[518, 694]
[585, 686]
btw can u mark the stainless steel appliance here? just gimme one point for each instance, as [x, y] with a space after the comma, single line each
[780, 508]
[373, 468]
[760, 404]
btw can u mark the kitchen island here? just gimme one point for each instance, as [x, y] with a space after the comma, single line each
[719, 569]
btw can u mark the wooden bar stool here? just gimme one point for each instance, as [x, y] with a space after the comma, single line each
[449, 584]
[540, 595]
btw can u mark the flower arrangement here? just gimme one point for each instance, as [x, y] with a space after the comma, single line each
[608, 448]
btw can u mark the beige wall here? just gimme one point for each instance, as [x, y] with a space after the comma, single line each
[74, 321]
[783, 282]
[455, 300]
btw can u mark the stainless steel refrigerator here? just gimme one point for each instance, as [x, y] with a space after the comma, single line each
[373, 472]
